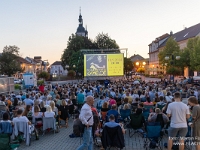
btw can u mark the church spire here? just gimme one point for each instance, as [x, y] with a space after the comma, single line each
[80, 18]
[81, 31]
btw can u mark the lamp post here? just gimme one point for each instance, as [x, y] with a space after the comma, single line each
[67, 67]
[173, 58]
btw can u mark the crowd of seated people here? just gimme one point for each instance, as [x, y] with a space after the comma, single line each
[62, 101]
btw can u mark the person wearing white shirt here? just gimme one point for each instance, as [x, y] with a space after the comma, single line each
[21, 118]
[49, 112]
[86, 118]
[168, 97]
[179, 113]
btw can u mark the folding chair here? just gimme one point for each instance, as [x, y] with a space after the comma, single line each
[153, 136]
[49, 123]
[160, 107]
[136, 124]
[23, 130]
[5, 137]
[112, 137]
[148, 107]
[125, 115]
[145, 114]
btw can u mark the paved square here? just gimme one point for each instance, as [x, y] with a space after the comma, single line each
[61, 141]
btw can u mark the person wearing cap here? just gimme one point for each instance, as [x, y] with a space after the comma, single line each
[86, 117]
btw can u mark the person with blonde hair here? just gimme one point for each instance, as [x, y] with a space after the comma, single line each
[54, 108]
[64, 112]
[126, 106]
[49, 112]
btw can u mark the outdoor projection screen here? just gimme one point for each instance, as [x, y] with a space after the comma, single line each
[103, 65]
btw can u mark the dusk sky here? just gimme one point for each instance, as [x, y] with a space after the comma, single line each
[42, 27]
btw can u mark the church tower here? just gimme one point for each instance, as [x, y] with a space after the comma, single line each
[81, 31]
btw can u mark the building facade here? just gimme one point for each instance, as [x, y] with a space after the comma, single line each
[56, 69]
[159, 43]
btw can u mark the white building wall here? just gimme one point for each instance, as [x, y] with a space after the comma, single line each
[57, 69]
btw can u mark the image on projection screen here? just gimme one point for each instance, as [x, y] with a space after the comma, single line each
[103, 64]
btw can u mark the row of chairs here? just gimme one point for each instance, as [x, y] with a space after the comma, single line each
[22, 131]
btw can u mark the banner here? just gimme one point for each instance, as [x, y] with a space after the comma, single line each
[103, 65]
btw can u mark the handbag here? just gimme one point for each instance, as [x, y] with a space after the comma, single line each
[82, 126]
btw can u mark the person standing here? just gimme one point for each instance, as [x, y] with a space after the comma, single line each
[193, 102]
[179, 113]
[86, 118]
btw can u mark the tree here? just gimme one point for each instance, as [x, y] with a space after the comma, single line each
[71, 73]
[72, 55]
[171, 48]
[75, 44]
[173, 71]
[103, 41]
[9, 63]
[193, 46]
[128, 65]
[44, 75]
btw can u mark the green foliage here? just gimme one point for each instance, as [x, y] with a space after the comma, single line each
[171, 48]
[17, 87]
[72, 55]
[184, 58]
[173, 71]
[71, 73]
[141, 70]
[77, 60]
[44, 75]
[193, 47]
[103, 41]
[128, 65]
[75, 44]
[9, 63]
[40, 82]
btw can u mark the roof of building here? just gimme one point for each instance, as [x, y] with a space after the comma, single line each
[22, 60]
[136, 57]
[159, 38]
[56, 63]
[37, 57]
[31, 60]
[184, 34]
[80, 29]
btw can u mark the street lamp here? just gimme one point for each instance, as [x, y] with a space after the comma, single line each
[172, 61]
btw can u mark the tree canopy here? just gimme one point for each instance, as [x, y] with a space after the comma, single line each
[103, 41]
[128, 65]
[193, 47]
[72, 56]
[9, 63]
[171, 48]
